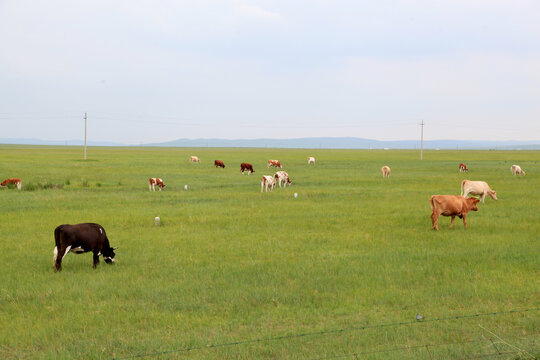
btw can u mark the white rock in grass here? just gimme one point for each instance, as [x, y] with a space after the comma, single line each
[185, 187]
[157, 221]
[295, 195]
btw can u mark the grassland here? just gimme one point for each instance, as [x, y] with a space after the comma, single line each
[239, 274]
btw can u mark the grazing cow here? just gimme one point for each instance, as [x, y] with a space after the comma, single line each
[516, 169]
[385, 171]
[267, 181]
[451, 205]
[477, 188]
[282, 176]
[275, 163]
[246, 167]
[12, 182]
[219, 163]
[311, 160]
[194, 159]
[152, 182]
[79, 239]
[463, 167]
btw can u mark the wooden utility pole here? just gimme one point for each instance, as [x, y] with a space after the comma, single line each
[422, 141]
[85, 121]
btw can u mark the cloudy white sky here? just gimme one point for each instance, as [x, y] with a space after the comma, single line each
[150, 71]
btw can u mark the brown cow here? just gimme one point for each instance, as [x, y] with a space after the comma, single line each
[219, 163]
[451, 205]
[16, 182]
[246, 167]
[463, 167]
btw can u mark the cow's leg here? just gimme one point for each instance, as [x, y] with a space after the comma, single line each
[464, 222]
[452, 221]
[483, 197]
[435, 220]
[55, 256]
[96, 259]
[59, 255]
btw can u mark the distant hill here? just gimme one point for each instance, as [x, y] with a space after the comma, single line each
[353, 143]
[309, 143]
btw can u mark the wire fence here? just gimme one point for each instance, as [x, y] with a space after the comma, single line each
[427, 348]
[343, 330]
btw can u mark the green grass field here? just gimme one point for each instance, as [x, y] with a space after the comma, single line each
[232, 273]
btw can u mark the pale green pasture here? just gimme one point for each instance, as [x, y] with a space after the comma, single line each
[231, 264]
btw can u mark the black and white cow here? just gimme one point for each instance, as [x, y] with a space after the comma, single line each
[81, 238]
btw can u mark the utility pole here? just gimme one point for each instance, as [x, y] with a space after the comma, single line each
[85, 121]
[422, 140]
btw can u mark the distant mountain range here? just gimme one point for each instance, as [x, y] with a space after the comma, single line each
[309, 143]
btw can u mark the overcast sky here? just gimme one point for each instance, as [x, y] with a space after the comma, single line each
[151, 71]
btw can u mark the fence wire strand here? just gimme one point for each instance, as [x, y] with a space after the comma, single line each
[328, 332]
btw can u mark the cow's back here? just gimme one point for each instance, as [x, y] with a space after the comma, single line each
[81, 234]
[446, 203]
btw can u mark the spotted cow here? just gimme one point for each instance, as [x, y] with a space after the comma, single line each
[282, 176]
[153, 182]
[267, 181]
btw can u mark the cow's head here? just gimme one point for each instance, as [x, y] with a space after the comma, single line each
[493, 194]
[108, 255]
[472, 202]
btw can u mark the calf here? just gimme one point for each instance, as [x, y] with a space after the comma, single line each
[267, 181]
[282, 176]
[194, 159]
[463, 167]
[385, 171]
[79, 239]
[516, 169]
[477, 188]
[451, 205]
[246, 167]
[152, 182]
[311, 160]
[275, 163]
[16, 182]
[219, 163]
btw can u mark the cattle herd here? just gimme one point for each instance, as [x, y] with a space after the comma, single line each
[82, 238]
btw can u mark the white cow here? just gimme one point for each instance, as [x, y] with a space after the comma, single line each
[516, 169]
[194, 159]
[477, 188]
[282, 176]
[268, 181]
[311, 160]
[385, 171]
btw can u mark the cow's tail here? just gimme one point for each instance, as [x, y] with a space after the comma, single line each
[462, 187]
[432, 202]
[56, 243]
